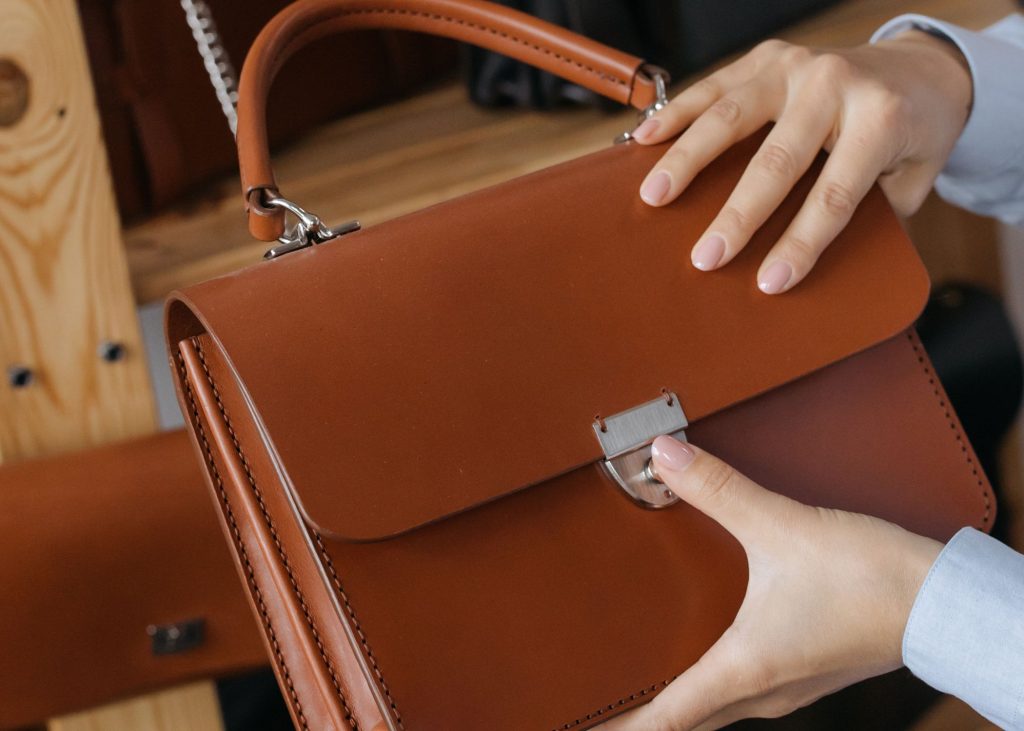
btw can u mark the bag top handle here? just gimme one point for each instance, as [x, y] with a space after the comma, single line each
[614, 74]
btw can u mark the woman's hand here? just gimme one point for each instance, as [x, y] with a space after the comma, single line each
[827, 602]
[890, 112]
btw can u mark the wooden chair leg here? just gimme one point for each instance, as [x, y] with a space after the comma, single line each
[64, 289]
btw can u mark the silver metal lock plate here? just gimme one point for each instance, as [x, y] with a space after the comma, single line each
[626, 440]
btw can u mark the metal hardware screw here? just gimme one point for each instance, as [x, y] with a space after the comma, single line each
[111, 351]
[19, 376]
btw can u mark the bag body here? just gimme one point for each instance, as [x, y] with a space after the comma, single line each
[415, 431]
[108, 553]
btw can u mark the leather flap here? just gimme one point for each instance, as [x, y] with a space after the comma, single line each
[450, 357]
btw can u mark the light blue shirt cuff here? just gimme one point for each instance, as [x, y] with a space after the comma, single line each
[965, 635]
[985, 171]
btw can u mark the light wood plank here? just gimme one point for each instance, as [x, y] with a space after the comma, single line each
[64, 290]
[63, 279]
[188, 708]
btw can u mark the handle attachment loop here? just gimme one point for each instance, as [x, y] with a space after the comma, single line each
[308, 229]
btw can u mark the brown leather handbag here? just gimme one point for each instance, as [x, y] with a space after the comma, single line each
[429, 439]
[114, 580]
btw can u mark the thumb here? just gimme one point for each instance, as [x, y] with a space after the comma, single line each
[707, 483]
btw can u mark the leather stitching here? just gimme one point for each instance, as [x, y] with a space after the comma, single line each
[240, 546]
[493, 31]
[344, 597]
[349, 716]
[356, 626]
[613, 706]
[957, 432]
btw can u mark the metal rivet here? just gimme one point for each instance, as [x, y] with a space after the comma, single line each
[111, 351]
[19, 376]
[170, 639]
[651, 473]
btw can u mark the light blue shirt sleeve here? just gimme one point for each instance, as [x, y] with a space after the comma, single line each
[985, 172]
[965, 635]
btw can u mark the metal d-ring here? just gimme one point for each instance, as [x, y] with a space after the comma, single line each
[308, 228]
[660, 79]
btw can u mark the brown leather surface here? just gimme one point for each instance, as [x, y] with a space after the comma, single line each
[428, 387]
[604, 70]
[319, 672]
[481, 337]
[95, 547]
[561, 605]
[583, 302]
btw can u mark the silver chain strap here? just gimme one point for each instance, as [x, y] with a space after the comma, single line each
[215, 57]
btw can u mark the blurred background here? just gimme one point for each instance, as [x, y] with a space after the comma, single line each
[120, 184]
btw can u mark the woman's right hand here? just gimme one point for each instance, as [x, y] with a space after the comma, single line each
[890, 112]
[828, 597]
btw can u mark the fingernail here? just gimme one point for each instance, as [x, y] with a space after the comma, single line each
[647, 129]
[671, 453]
[775, 277]
[708, 252]
[655, 188]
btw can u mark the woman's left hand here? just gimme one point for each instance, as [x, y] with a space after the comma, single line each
[889, 112]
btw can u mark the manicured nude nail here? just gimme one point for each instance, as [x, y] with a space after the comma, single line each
[647, 129]
[655, 188]
[775, 278]
[708, 253]
[671, 454]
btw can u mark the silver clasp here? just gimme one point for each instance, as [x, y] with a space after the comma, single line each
[308, 228]
[626, 440]
[660, 79]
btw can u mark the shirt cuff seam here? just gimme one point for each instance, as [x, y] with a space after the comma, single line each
[975, 155]
[918, 600]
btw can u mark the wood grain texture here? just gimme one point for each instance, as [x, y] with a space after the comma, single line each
[64, 289]
[63, 279]
[188, 708]
[383, 163]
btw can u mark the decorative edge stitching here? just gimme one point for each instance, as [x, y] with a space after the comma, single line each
[613, 706]
[493, 31]
[325, 554]
[957, 432]
[349, 716]
[240, 546]
[932, 380]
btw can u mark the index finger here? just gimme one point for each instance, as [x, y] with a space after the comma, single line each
[693, 101]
